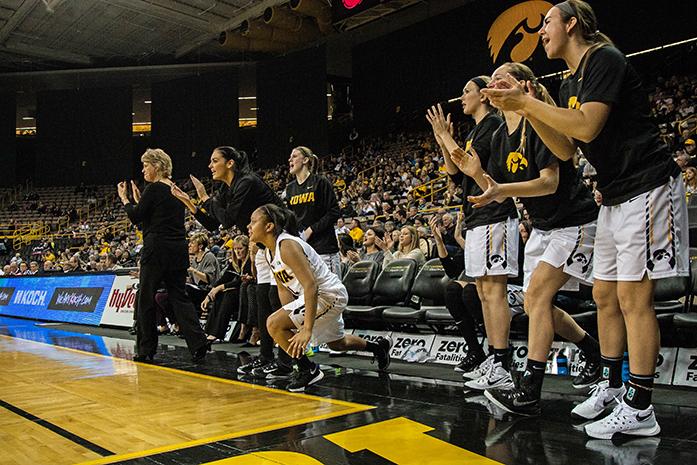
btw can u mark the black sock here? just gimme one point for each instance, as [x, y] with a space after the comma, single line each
[611, 370]
[536, 372]
[490, 350]
[305, 364]
[501, 356]
[639, 390]
[469, 333]
[590, 347]
[371, 346]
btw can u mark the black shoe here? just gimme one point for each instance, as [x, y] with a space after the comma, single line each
[520, 401]
[471, 361]
[304, 378]
[382, 353]
[273, 370]
[588, 376]
[200, 355]
[150, 358]
[257, 362]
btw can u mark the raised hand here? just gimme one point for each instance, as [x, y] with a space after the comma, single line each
[180, 194]
[353, 256]
[491, 194]
[135, 191]
[508, 95]
[380, 244]
[122, 191]
[458, 224]
[468, 162]
[435, 228]
[200, 188]
[440, 123]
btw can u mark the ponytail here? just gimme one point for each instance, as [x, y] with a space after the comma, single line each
[238, 156]
[524, 73]
[307, 153]
[586, 25]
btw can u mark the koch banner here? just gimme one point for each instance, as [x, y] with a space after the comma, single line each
[61, 297]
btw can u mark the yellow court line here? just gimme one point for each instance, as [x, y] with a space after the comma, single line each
[239, 434]
[206, 377]
[351, 408]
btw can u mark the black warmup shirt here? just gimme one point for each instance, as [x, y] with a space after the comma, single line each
[479, 138]
[234, 205]
[628, 153]
[572, 203]
[315, 206]
[161, 218]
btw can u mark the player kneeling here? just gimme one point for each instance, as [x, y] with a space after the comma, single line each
[313, 298]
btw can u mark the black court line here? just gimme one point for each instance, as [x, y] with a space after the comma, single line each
[57, 429]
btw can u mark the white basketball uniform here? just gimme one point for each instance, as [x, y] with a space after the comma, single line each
[492, 249]
[332, 295]
[569, 248]
[644, 235]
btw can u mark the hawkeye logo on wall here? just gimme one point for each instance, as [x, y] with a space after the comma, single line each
[521, 21]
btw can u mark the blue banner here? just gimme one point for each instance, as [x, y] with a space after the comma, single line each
[67, 298]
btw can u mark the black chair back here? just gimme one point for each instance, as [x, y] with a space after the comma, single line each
[359, 281]
[431, 282]
[394, 282]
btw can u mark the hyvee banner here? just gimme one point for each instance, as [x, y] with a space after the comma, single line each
[71, 299]
[119, 307]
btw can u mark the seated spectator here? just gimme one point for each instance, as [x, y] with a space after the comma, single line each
[73, 265]
[340, 227]
[48, 266]
[204, 269]
[370, 250]
[126, 261]
[408, 247]
[355, 231]
[23, 269]
[33, 268]
[110, 263]
[229, 294]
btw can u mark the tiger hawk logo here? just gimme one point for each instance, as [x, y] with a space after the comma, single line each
[523, 19]
[516, 161]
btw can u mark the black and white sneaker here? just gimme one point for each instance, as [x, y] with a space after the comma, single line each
[471, 361]
[522, 399]
[382, 354]
[515, 400]
[247, 368]
[272, 370]
[304, 378]
[588, 376]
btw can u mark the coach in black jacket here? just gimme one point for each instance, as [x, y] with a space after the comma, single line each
[164, 256]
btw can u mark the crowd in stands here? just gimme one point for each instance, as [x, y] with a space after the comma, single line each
[389, 188]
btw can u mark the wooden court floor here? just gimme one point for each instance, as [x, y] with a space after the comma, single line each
[63, 406]
[71, 395]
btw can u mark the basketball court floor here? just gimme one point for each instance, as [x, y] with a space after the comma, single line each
[70, 397]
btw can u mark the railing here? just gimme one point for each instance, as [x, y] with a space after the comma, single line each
[429, 188]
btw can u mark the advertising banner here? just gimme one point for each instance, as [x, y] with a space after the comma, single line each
[119, 307]
[66, 298]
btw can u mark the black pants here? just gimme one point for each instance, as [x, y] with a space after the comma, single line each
[152, 274]
[226, 304]
[267, 303]
[465, 307]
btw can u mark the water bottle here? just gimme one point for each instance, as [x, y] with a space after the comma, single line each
[562, 363]
[625, 367]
